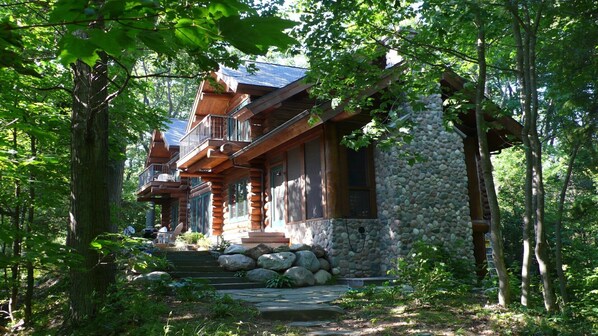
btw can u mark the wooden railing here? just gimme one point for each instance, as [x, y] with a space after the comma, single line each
[214, 127]
[157, 172]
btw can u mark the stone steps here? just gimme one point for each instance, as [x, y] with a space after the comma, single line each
[203, 265]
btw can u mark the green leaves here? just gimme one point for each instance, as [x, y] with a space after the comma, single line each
[254, 35]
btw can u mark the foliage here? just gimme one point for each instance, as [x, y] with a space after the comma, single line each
[221, 245]
[129, 253]
[433, 272]
[240, 274]
[279, 281]
[195, 238]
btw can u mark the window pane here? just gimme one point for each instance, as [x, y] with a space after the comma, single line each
[295, 190]
[237, 194]
[357, 163]
[359, 203]
[313, 180]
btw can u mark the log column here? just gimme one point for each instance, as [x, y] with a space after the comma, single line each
[217, 187]
[255, 198]
[331, 143]
[165, 214]
[479, 224]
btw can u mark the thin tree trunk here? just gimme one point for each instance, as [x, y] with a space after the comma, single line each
[90, 211]
[558, 228]
[30, 218]
[504, 295]
[542, 249]
[16, 248]
[528, 212]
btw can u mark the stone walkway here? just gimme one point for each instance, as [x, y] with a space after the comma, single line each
[295, 304]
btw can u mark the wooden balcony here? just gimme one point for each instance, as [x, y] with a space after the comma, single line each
[158, 181]
[211, 141]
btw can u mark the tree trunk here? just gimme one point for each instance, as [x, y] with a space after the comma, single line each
[504, 294]
[89, 214]
[28, 246]
[116, 171]
[558, 228]
[16, 247]
[528, 213]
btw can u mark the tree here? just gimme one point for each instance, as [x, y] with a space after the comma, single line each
[98, 34]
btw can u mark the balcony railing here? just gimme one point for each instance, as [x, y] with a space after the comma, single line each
[214, 127]
[158, 172]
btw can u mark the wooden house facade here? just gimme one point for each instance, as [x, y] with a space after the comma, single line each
[264, 171]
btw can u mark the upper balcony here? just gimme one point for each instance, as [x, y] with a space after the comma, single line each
[158, 179]
[201, 144]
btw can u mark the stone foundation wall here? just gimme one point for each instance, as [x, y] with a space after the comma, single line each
[427, 200]
[354, 253]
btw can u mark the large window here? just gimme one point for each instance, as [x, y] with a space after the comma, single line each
[200, 213]
[237, 197]
[304, 182]
[359, 183]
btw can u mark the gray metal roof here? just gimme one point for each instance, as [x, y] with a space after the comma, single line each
[270, 75]
[174, 131]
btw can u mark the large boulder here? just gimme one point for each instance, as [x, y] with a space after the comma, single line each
[308, 260]
[235, 249]
[300, 276]
[282, 248]
[318, 251]
[257, 251]
[260, 275]
[299, 247]
[322, 277]
[236, 262]
[153, 276]
[276, 261]
[324, 264]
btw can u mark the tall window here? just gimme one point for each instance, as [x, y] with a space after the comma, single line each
[200, 213]
[359, 182]
[304, 182]
[237, 197]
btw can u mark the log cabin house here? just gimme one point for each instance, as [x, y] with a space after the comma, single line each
[249, 166]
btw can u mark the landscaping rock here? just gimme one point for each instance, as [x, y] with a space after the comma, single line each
[236, 262]
[322, 277]
[260, 275]
[299, 247]
[300, 276]
[308, 260]
[276, 261]
[257, 251]
[318, 251]
[324, 264]
[235, 249]
[336, 271]
[153, 276]
[282, 248]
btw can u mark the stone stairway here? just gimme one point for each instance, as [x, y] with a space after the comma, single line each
[201, 264]
[272, 239]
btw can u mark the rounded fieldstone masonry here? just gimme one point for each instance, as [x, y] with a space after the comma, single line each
[276, 261]
[236, 262]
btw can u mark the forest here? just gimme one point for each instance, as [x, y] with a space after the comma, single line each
[84, 82]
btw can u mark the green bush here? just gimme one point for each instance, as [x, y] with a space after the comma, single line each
[433, 273]
[279, 281]
[195, 238]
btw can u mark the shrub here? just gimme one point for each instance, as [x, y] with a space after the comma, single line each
[279, 281]
[433, 273]
[195, 238]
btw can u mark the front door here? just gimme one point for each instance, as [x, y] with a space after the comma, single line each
[278, 204]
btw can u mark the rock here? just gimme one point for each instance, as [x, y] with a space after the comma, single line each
[236, 262]
[299, 247]
[153, 276]
[300, 276]
[282, 248]
[276, 261]
[322, 277]
[260, 275]
[336, 271]
[318, 251]
[257, 251]
[324, 264]
[235, 249]
[308, 260]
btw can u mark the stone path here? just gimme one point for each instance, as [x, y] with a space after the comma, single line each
[306, 306]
